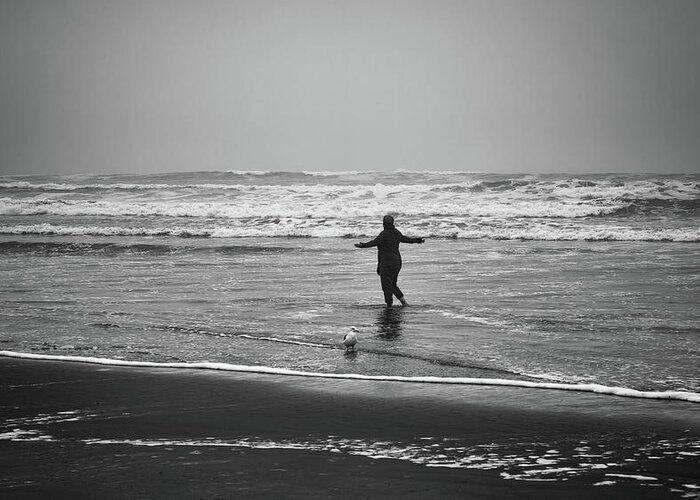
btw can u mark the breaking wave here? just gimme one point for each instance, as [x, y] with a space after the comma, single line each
[304, 204]
[308, 228]
[348, 205]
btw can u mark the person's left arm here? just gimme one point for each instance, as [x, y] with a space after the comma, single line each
[369, 244]
[407, 239]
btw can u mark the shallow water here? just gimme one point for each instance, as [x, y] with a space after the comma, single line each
[614, 313]
[592, 279]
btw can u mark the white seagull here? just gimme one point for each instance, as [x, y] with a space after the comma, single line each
[350, 339]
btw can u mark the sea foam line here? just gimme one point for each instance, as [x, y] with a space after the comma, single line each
[320, 229]
[691, 397]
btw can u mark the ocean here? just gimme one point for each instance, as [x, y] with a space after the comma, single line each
[586, 283]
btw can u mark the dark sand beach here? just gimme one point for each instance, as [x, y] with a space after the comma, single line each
[91, 431]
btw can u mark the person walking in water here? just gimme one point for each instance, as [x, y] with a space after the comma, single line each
[387, 244]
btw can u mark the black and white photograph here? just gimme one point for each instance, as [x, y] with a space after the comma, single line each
[350, 249]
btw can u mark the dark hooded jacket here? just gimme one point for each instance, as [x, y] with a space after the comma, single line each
[387, 244]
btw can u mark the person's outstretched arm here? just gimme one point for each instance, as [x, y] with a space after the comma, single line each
[369, 244]
[407, 239]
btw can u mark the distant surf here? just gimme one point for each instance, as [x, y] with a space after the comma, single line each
[458, 205]
[272, 228]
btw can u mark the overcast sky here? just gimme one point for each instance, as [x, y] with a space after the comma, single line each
[100, 86]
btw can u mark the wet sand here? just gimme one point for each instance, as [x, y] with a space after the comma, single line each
[75, 410]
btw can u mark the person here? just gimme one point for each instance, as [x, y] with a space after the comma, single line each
[389, 258]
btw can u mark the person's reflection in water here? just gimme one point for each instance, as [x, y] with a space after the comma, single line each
[389, 322]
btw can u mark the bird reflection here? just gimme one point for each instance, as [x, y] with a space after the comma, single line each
[389, 322]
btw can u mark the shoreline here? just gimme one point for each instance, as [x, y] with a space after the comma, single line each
[678, 395]
[115, 432]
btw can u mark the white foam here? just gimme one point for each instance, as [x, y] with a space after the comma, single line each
[467, 317]
[299, 202]
[532, 186]
[634, 476]
[520, 461]
[58, 186]
[590, 388]
[304, 227]
[285, 341]
[448, 205]
[53, 229]
[23, 435]
[605, 483]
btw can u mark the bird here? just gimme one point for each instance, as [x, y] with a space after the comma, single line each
[350, 339]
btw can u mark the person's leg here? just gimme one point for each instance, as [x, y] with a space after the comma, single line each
[387, 286]
[397, 290]
[389, 275]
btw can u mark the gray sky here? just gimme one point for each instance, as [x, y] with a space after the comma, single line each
[477, 85]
